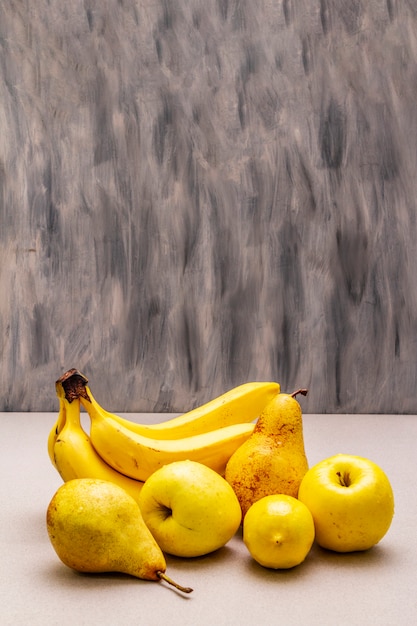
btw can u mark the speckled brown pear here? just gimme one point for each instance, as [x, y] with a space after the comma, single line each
[273, 459]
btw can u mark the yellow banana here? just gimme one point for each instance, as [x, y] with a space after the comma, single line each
[138, 456]
[239, 405]
[209, 434]
[75, 457]
[56, 429]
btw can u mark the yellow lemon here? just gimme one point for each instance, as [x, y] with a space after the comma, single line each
[278, 531]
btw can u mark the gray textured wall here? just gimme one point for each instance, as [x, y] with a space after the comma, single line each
[197, 194]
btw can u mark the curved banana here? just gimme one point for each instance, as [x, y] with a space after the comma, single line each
[240, 405]
[138, 456]
[75, 457]
[56, 429]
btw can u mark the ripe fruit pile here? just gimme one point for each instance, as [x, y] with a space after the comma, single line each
[184, 486]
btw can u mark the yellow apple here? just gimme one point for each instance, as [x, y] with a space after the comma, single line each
[189, 508]
[278, 531]
[351, 500]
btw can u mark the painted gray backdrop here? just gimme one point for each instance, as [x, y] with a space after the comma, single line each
[196, 194]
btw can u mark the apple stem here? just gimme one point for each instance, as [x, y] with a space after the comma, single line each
[303, 392]
[169, 580]
[344, 480]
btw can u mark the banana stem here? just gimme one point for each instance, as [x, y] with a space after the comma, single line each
[169, 580]
[73, 384]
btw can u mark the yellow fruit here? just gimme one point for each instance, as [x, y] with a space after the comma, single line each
[189, 509]
[239, 405]
[278, 531]
[272, 460]
[351, 500]
[75, 457]
[95, 526]
[56, 429]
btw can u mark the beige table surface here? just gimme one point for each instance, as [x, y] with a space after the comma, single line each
[376, 587]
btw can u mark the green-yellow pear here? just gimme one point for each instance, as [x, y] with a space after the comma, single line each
[96, 526]
[273, 460]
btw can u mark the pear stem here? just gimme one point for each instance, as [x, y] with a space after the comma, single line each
[169, 580]
[303, 392]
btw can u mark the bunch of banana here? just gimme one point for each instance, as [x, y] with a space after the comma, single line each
[209, 434]
[73, 455]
